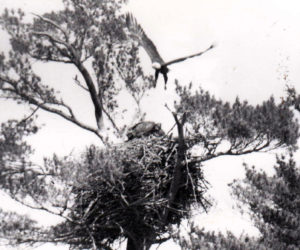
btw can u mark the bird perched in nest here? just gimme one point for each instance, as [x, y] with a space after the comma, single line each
[160, 66]
[142, 129]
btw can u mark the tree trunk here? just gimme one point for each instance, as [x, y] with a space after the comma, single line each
[137, 244]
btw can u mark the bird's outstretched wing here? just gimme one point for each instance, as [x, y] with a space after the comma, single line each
[187, 57]
[138, 34]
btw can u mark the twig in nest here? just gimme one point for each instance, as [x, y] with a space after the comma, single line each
[191, 179]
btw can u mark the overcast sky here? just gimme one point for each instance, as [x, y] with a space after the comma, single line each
[257, 41]
[257, 53]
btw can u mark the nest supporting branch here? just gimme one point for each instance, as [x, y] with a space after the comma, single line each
[180, 162]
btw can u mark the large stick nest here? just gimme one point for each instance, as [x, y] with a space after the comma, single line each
[126, 188]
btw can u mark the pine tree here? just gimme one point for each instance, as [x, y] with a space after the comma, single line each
[133, 190]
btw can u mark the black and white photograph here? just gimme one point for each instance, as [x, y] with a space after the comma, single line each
[149, 124]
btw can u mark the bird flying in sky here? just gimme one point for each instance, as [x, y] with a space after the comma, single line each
[160, 66]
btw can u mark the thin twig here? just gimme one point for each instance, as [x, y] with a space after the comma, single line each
[79, 84]
[111, 120]
[28, 117]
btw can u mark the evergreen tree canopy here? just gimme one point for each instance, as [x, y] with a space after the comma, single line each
[134, 190]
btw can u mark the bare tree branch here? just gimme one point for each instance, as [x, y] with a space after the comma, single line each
[43, 106]
[54, 24]
[229, 152]
[28, 117]
[51, 37]
[43, 209]
[96, 99]
[112, 121]
[79, 84]
[46, 59]
[180, 162]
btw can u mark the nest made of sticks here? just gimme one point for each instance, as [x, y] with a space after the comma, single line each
[128, 187]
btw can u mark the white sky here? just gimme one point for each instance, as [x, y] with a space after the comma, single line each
[257, 45]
